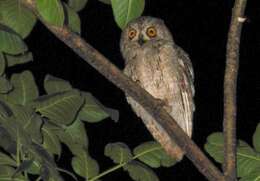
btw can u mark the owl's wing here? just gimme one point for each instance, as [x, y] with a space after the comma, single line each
[186, 67]
[184, 77]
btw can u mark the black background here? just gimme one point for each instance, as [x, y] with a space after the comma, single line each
[200, 28]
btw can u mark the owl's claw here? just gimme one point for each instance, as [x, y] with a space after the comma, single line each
[137, 81]
[165, 104]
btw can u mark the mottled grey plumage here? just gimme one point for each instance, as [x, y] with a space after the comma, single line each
[157, 64]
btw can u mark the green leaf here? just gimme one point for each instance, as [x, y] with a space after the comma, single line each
[5, 110]
[13, 60]
[256, 138]
[2, 64]
[53, 84]
[7, 160]
[72, 19]
[6, 173]
[6, 141]
[48, 166]
[51, 11]
[11, 42]
[152, 154]
[214, 146]
[25, 88]
[50, 173]
[140, 172]
[126, 10]
[29, 121]
[247, 159]
[34, 168]
[60, 108]
[15, 16]
[41, 154]
[74, 136]
[5, 85]
[77, 5]
[24, 166]
[84, 165]
[118, 152]
[105, 1]
[50, 140]
[253, 176]
[91, 110]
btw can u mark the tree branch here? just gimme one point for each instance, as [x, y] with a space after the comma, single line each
[164, 124]
[230, 83]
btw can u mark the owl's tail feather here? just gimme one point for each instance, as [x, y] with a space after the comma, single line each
[187, 114]
[176, 153]
[166, 142]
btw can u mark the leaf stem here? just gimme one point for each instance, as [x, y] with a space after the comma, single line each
[124, 163]
[108, 171]
[18, 148]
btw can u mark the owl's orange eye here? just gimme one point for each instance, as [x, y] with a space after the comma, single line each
[132, 34]
[151, 32]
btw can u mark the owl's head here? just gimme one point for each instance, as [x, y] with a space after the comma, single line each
[144, 30]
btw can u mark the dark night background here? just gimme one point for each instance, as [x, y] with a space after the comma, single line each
[200, 28]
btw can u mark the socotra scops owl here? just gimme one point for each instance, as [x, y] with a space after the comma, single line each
[163, 69]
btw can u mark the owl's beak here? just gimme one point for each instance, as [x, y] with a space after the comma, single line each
[141, 40]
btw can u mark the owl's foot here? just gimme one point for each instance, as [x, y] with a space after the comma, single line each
[165, 104]
[137, 81]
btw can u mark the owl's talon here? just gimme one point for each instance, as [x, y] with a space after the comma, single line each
[165, 104]
[137, 81]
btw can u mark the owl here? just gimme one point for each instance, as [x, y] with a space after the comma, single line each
[163, 69]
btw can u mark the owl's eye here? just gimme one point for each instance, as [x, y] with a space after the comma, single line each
[131, 34]
[151, 32]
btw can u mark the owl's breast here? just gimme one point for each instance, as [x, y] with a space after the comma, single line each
[154, 72]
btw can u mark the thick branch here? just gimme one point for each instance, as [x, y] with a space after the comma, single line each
[164, 122]
[230, 83]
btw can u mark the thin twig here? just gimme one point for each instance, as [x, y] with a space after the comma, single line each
[230, 85]
[164, 122]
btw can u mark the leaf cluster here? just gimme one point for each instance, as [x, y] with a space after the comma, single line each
[248, 158]
[16, 22]
[33, 126]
